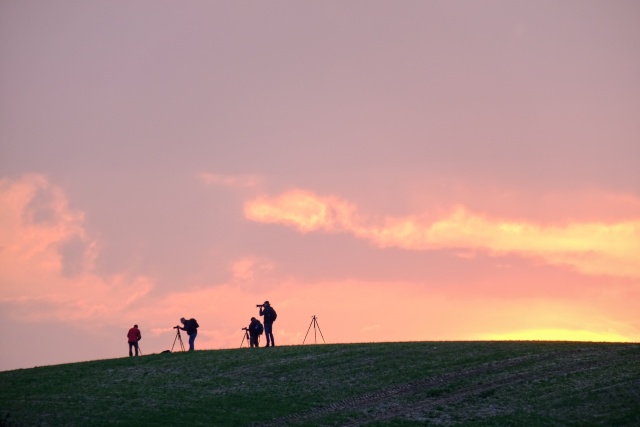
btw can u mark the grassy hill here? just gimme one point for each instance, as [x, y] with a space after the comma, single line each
[388, 384]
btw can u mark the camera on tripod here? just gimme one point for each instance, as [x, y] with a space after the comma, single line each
[245, 329]
[178, 339]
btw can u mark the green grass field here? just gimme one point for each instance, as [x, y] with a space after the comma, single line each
[385, 384]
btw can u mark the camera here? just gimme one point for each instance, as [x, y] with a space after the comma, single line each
[259, 305]
[245, 329]
[176, 327]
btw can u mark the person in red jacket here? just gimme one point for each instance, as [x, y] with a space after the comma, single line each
[133, 336]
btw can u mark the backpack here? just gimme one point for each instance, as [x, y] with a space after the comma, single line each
[259, 328]
[273, 315]
[194, 322]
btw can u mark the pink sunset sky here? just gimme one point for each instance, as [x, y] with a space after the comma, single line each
[405, 171]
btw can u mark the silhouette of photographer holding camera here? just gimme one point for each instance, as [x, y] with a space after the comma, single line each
[269, 317]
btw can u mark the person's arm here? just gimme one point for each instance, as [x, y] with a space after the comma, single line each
[139, 336]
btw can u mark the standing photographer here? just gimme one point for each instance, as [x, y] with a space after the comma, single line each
[134, 336]
[269, 317]
[191, 327]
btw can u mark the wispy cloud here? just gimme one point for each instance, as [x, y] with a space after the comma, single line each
[589, 247]
[304, 211]
[239, 181]
[248, 268]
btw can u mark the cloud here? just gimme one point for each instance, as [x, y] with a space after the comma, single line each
[304, 211]
[47, 258]
[35, 221]
[248, 268]
[237, 181]
[607, 248]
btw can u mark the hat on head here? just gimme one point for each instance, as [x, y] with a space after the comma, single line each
[266, 302]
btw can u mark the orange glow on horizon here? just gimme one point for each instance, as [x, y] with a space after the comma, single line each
[557, 335]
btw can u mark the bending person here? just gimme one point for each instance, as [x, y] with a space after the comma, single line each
[191, 327]
[255, 330]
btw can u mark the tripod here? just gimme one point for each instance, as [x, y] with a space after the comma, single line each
[314, 322]
[248, 338]
[177, 338]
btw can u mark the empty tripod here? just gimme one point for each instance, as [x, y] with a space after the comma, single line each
[316, 326]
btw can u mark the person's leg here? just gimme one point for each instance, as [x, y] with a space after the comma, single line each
[130, 349]
[268, 334]
[273, 341]
[136, 345]
[192, 339]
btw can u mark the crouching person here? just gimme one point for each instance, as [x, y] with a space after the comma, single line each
[255, 329]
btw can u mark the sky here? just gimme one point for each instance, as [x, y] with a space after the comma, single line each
[404, 171]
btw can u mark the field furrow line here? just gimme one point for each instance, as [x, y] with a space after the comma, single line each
[568, 367]
[442, 380]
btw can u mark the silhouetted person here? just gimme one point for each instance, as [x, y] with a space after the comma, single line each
[269, 317]
[133, 336]
[255, 329]
[191, 327]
